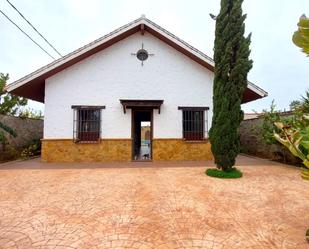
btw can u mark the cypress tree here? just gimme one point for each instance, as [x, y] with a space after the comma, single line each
[232, 64]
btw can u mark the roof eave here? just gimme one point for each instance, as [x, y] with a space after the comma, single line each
[253, 92]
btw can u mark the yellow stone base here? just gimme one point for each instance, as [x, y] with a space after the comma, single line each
[180, 150]
[65, 150]
[119, 150]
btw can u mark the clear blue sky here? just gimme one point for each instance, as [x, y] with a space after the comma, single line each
[279, 66]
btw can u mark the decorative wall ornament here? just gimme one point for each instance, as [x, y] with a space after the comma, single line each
[142, 54]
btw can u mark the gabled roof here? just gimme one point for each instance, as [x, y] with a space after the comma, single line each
[32, 86]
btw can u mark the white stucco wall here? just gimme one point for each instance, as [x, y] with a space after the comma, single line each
[114, 74]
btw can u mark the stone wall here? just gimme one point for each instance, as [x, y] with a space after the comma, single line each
[120, 150]
[27, 129]
[107, 150]
[252, 143]
[180, 150]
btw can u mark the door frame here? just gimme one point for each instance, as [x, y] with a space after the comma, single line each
[133, 111]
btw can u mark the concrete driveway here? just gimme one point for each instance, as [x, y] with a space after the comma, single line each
[151, 205]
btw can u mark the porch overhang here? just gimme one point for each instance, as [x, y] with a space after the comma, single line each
[137, 103]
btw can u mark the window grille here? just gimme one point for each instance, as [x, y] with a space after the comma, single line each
[87, 123]
[194, 123]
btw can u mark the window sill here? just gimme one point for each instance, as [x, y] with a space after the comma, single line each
[88, 142]
[205, 140]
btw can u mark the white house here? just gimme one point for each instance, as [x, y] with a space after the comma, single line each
[97, 97]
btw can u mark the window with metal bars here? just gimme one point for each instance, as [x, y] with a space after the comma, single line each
[87, 123]
[194, 124]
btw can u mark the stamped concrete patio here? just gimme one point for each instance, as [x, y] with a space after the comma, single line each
[151, 205]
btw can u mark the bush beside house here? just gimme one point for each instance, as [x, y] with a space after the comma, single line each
[27, 141]
[252, 142]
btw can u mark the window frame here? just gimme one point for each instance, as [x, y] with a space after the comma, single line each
[77, 133]
[201, 136]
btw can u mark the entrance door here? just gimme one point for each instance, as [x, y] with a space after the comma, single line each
[141, 135]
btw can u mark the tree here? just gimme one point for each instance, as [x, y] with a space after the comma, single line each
[295, 105]
[301, 36]
[305, 102]
[301, 105]
[9, 104]
[232, 64]
[8, 130]
[31, 113]
[268, 127]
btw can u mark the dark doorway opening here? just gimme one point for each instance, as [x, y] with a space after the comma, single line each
[142, 135]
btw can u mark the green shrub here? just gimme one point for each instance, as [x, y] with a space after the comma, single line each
[27, 152]
[32, 149]
[9, 154]
[267, 128]
[233, 173]
[295, 137]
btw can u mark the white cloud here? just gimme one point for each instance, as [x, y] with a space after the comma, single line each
[84, 9]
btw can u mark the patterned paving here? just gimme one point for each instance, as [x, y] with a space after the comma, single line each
[144, 205]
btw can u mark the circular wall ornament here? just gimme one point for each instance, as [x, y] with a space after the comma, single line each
[142, 54]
